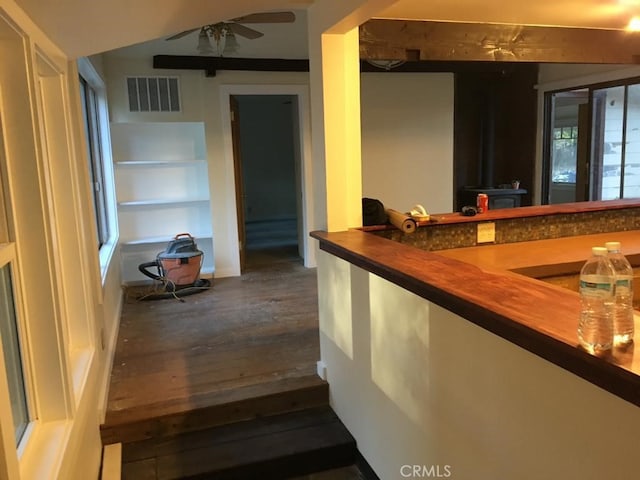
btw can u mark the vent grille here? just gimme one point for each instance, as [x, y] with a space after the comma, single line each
[153, 94]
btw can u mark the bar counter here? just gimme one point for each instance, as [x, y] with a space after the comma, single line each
[484, 285]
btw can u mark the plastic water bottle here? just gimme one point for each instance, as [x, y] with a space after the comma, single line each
[597, 297]
[623, 310]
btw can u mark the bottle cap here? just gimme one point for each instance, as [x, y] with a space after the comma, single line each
[612, 246]
[599, 251]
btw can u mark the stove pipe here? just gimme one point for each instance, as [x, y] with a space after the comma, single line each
[487, 142]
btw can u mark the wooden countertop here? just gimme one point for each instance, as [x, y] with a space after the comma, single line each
[478, 283]
[540, 257]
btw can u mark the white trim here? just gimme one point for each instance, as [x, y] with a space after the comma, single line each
[42, 458]
[104, 380]
[9, 464]
[306, 171]
[7, 253]
[90, 74]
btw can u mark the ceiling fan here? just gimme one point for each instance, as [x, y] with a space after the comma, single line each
[224, 33]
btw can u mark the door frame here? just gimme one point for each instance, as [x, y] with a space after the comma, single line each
[301, 91]
[237, 175]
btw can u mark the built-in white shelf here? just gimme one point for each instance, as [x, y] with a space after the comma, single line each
[162, 187]
[161, 202]
[161, 239]
[158, 163]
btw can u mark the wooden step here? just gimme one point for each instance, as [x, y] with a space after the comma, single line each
[215, 408]
[274, 447]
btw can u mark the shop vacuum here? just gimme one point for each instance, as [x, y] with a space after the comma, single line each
[177, 269]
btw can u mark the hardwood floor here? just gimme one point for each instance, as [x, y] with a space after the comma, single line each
[246, 347]
[224, 385]
[266, 448]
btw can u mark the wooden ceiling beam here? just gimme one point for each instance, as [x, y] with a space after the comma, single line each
[212, 64]
[445, 41]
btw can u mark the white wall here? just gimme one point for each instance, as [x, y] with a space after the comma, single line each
[201, 101]
[407, 126]
[407, 139]
[418, 385]
[62, 306]
[111, 309]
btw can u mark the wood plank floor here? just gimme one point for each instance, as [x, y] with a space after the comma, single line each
[273, 447]
[246, 338]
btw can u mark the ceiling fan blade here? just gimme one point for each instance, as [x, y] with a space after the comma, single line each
[183, 34]
[243, 31]
[267, 17]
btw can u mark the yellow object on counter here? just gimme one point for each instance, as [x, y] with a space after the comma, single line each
[401, 221]
[419, 214]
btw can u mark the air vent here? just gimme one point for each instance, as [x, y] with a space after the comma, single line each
[153, 94]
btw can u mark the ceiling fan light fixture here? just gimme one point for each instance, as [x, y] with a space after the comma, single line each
[225, 34]
[231, 43]
[204, 44]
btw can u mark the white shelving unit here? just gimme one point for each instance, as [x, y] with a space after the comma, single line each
[162, 190]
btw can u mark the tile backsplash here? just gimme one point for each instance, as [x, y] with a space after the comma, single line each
[456, 235]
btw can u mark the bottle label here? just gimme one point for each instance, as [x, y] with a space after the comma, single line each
[623, 282]
[596, 288]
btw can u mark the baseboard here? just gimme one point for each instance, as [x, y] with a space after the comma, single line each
[227, 272]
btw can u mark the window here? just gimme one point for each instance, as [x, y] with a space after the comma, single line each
[10, 330]
[96, 123]
[616, 142]
[10, 334]
[592, 148]
[608, 112]
[94, 154]
[564, 151]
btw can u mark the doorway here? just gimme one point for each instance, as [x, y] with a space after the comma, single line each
[567, 146]
[267, 167]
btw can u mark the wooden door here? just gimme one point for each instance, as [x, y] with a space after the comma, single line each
[237, 168]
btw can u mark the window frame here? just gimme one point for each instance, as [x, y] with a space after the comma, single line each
[8, 259]
[107, 247]
[11, 450]
[88, 99]
[595, 178]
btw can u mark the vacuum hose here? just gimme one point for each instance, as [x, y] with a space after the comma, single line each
[143, 269]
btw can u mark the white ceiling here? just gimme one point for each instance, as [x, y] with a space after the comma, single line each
[280, 40]
[85, 27]
[608, 14]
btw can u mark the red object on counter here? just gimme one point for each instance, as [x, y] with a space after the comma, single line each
[482, 203]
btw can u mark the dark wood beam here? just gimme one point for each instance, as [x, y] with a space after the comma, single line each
[212, 64]
[445, 41]
[435, 66]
